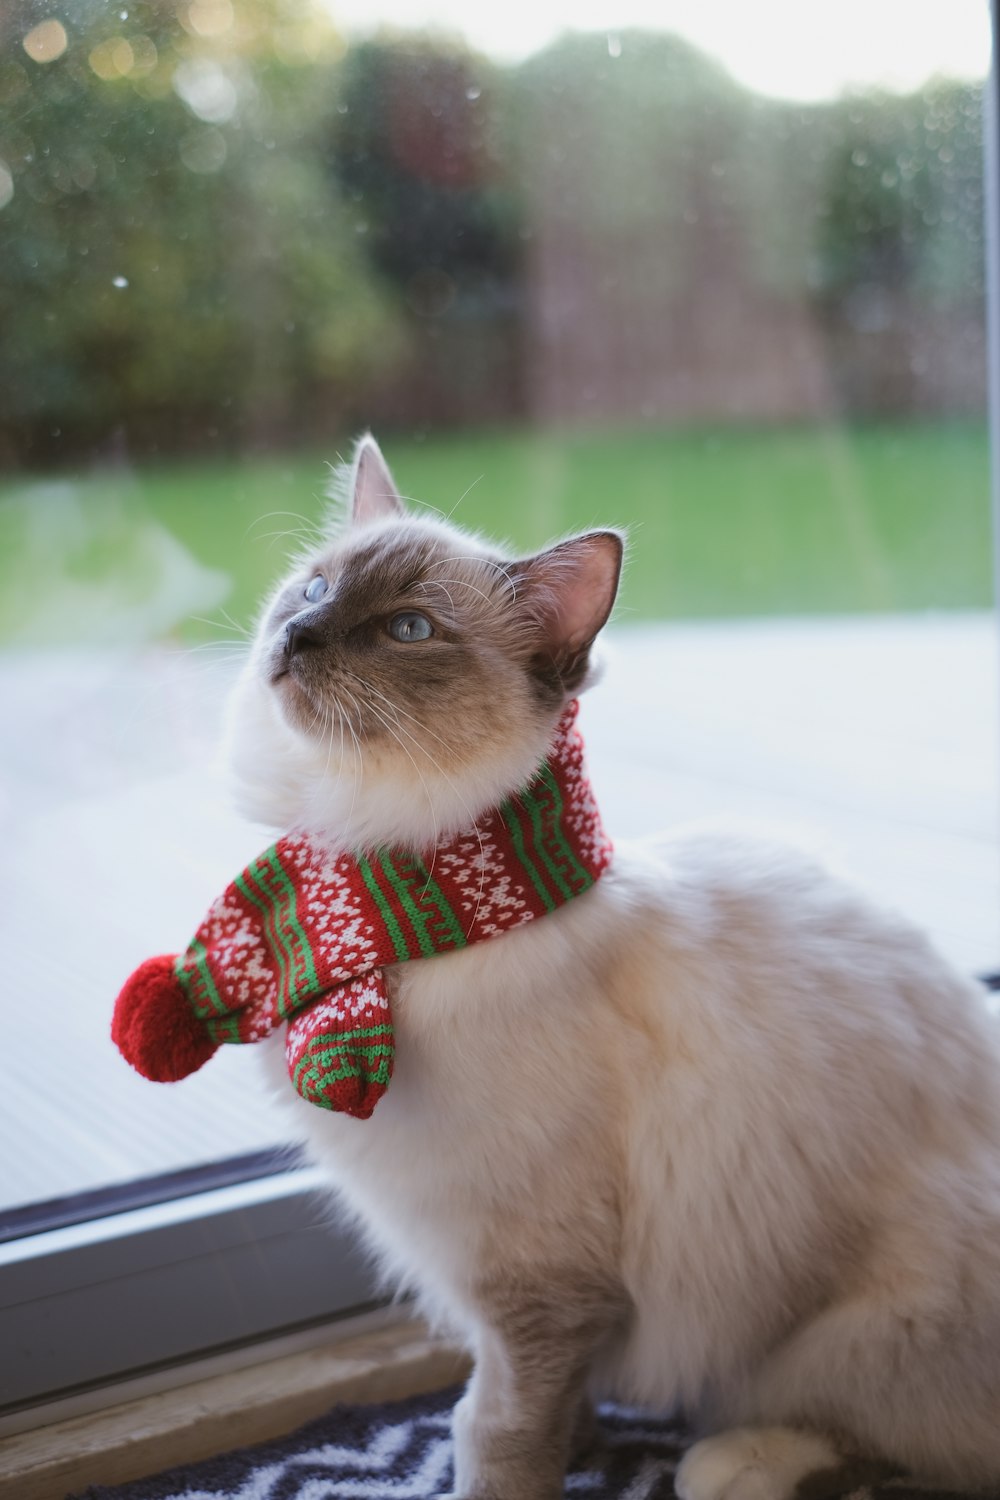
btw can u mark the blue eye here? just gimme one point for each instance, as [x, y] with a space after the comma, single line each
[409, 626]
[316, 589]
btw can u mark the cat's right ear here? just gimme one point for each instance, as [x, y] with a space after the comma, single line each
[373, 492]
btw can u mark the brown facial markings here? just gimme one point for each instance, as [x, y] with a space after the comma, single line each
[466, 683]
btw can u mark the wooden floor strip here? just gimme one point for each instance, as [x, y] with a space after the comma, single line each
[229, 1411]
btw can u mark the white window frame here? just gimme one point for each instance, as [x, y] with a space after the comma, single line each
[147, 1291]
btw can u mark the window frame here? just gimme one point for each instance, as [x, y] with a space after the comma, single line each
[149, 1290]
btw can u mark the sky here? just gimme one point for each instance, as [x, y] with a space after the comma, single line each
[794, 49]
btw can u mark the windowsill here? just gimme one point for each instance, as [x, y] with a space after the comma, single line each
[231, 1410]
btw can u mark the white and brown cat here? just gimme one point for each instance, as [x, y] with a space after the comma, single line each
[719, 1134]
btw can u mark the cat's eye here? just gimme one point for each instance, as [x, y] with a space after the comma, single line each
[316, 589]
[408, 625]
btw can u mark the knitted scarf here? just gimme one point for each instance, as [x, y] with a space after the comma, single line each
[303, 936]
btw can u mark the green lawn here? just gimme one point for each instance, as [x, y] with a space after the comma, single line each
[722, 523]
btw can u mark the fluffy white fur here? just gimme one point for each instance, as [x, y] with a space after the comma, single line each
[720, 1132]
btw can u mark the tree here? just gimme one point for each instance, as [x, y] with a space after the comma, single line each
[176, 265]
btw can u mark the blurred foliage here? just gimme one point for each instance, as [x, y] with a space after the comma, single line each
[175, 257]
[869, 187]
[415, 144]
[220, 228]
[904, 194]
[417, 147]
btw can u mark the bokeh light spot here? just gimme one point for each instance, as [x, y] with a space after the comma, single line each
[122, 56]
[210, 17]
[102, 60]
[144, 55]
[310, 38]
[203, 151]
[206, 90]
[46, 41]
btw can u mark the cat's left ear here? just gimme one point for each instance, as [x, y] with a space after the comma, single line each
[570, 591]
[374, 496]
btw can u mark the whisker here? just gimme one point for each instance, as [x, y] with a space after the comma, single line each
[229, 624]
[425, 505]
[222, 649]
[462, 496]
[291, 534]
[461, 582]
[359, 762]
[500, 568]
[294, 514]
[243, 630]
[423, 780]
[424, 584]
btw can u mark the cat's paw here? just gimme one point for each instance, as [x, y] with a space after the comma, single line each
[763, 1463]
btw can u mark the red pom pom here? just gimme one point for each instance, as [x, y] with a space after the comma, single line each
[154, 1026]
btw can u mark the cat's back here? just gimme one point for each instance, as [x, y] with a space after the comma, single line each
[798, 964]
[818, 1073]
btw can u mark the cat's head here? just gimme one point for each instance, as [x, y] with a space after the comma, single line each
[406, 676]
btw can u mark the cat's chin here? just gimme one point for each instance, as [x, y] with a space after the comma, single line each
[285, 777]
[293, 704]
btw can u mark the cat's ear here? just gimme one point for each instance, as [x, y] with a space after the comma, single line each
[373, 492]
[569, 591]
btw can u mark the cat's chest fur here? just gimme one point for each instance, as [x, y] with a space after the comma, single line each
[505, 1099]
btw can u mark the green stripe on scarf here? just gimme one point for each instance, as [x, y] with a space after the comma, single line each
[202, 973]
[280, 921]
[448, 915]
[323, 1065]
[414, 915]
[224, 1028]
[536, 810]
[563, 846]
[402, 882]
[289, 911]
[270, 928]
[385, 909]
[512, 823]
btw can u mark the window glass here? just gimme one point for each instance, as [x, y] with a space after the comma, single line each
[718, 279]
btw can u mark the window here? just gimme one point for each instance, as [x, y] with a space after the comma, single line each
[720, 282]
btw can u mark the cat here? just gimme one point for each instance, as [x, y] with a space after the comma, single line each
[746, 1163]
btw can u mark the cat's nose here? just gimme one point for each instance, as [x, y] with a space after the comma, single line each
[300, 635]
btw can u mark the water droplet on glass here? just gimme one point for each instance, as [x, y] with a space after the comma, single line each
[120, 282]
[342, 109]
[473, 91]
[123, 15]
[614, 45]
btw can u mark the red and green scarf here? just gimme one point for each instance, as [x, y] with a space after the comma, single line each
[302, 936]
